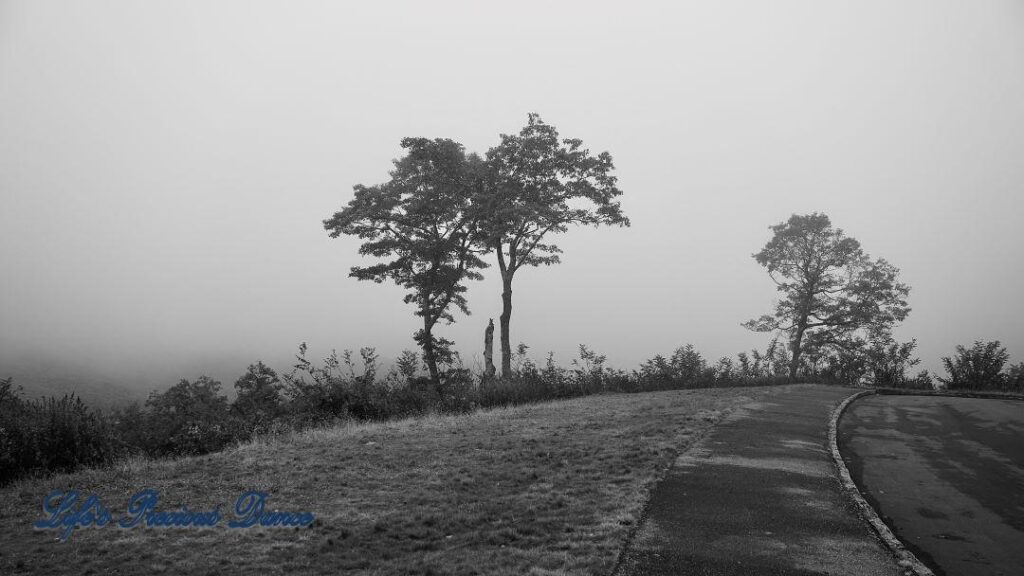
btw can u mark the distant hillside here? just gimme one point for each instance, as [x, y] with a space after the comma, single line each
[43, 375]
[39, 376]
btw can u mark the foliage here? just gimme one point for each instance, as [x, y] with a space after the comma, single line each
[923, 381]
[424, 224]
[725, 370]
[191, 417]
[539, 184]
[773, 362]
[876, 360]
[407, 364]
[889, 360]
[333, 391]
[590, 371]
[683, 369]
[442, 209]
[49, 434]
[831, 291]
[1014, 380]
[977, 367]
[259, 398]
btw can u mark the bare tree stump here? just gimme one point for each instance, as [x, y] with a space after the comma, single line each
[489, 369]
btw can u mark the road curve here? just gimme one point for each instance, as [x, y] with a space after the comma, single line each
[945, 474]
[759, 495]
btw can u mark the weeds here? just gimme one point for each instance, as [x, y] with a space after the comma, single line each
[194, 417]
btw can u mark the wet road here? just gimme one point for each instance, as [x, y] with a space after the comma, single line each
[946, 474]
[759, 495]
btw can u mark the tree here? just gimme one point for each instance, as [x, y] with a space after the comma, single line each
[979, 366]
[189, 418]
[259, 394]
[685, 367]
[1015, 377]
[831, 289]
[424, 220]
[540, 185]
[889, 360]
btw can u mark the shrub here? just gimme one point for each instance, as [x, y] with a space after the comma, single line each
[889, 360]
[49, 434]
[589, 374]
[923, 381]
[683, 369]
[845, 364]
[1014, 380]
[977, 367]
[725, 372]
[521, 388]
[316, 394]
[259, 400]
[190, 418]
[131, 428]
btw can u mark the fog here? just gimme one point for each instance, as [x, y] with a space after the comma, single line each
[165, 168]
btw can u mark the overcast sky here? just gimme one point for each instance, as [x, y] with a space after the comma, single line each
[165, 167]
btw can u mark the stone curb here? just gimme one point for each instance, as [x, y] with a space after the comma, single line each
[948, 393]
[906, 558]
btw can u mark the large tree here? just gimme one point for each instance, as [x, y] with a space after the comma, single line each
[540, 185]
[831, 289]
[423, 224]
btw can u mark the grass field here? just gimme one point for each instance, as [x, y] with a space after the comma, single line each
[551, 488]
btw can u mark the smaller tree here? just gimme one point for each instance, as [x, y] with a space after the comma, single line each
[539, 185]
[259, 395]
[407, 365]
[190, 418]
[424, 223]
[832, 292]
[684, 368]
[977, 367]
[1015, 377]
[889, 360]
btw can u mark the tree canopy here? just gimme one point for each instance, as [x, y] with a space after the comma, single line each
[443, 209]
[833, 294]
[424, 225]
[538, 185]
[977, 367]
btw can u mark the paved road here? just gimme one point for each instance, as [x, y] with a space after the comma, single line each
[760, 495]
[946, 474]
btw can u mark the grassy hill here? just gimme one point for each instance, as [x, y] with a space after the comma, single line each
[551, 488]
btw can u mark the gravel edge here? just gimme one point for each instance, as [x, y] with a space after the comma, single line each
[906, 558]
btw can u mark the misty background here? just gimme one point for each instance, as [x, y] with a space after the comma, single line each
[165, 169]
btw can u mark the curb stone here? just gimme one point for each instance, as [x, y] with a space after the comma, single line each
[948, 393]
[907, 560]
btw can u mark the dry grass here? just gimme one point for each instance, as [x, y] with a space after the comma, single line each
[545, 489]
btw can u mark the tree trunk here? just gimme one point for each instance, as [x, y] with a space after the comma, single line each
[429, 354]
[489, 351]
[506, 317]
[794, 362]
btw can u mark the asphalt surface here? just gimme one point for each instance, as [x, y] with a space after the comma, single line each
[947, 476]
[759, 495]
